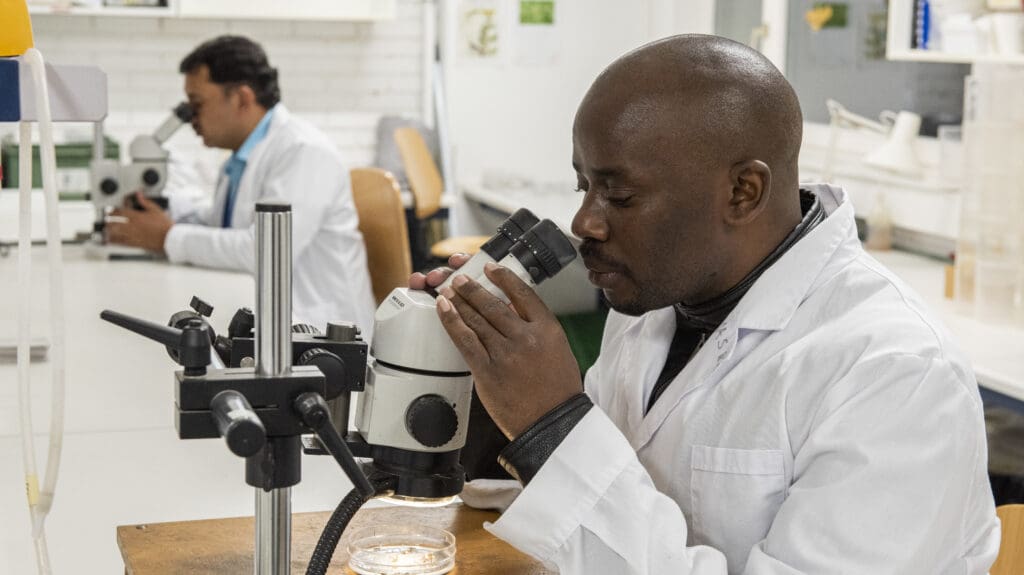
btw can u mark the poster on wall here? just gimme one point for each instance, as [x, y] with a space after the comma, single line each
[535, 33]
[480, 32]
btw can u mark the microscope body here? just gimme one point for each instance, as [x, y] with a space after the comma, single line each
[418, 387]
[414, 411]
[112, 182]
[146, 172]
[414, 388]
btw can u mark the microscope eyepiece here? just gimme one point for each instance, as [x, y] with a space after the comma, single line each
[543, 251]
[509, 233]
[184, 112]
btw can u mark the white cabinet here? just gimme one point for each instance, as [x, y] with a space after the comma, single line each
[292, 10]
[900, 39]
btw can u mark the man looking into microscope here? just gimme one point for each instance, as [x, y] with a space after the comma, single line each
[768, 398]
[235, 97]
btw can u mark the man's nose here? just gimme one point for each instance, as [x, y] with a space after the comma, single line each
[590, 222]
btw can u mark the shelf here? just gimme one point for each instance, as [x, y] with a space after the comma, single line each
[310, 10]
[119, 11]
[937, 56]
[899, 41]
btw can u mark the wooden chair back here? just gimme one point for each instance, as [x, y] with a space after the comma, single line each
[382, 223]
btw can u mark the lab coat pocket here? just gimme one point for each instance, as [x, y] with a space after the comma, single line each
[735, 494]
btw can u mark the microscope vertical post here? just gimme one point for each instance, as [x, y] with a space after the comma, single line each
[273, 357]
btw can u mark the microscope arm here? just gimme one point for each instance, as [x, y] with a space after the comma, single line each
[181, 115]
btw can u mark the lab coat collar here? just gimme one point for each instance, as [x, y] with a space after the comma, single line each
[776, 295]
[768, 306]
[279, 119]
[255, 137]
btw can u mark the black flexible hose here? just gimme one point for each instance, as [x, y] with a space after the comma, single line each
[336, 525]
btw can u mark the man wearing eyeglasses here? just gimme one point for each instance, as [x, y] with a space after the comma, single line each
[235, 97]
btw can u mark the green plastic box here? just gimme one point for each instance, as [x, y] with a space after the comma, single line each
[70, 157]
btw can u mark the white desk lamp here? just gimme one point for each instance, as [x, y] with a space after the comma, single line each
[897, 155]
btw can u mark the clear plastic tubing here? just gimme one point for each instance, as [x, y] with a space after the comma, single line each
[40, 501]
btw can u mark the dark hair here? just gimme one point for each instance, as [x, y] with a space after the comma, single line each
[236, 60]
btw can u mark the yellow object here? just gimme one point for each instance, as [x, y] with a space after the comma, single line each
[382, 222]
[32, 489]
[15, 28]
[427, 187]
[1011, 552]
[818, 17]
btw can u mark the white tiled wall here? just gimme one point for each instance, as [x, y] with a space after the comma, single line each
[341, 75]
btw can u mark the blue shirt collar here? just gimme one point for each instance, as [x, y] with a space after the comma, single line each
[257, 135]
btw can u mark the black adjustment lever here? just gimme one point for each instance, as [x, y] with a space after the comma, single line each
[192, 342]
[314, 412]
[202, 308]
[238, 424]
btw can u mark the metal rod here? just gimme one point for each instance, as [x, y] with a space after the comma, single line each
[339, 407]
[98, 145]
[273, 357]
[273, 288]
[273, 536]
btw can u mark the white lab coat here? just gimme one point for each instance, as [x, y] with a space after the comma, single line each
[829, 425]
[297, 163]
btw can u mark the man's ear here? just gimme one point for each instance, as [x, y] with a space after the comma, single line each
[751, 182]
[246, 96]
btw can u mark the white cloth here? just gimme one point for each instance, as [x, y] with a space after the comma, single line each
[297, 163]
[829, 425]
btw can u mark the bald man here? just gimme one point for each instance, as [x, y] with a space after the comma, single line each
[768, 398]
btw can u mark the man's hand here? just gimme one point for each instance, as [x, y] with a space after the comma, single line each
[437, 276]
[519, 356]
[145, 228]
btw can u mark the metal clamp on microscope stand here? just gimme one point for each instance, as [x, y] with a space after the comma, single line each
[262, 410]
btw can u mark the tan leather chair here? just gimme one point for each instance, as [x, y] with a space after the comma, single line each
[427, 187]
[1011, 549]
[382, 223]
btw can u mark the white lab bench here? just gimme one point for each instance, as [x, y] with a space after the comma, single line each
[996, 351]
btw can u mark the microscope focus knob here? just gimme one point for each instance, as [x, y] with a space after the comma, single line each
[305, 328]
[108, 186]
[342, 331]
[151, 177]
[332, 367]
[431, 420]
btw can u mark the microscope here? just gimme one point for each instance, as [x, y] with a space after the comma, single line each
[282, 383]
[112, 182]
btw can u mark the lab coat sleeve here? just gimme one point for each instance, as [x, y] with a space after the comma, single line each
[880, 486]
[188, 206]
[593, 509]
[310, 178]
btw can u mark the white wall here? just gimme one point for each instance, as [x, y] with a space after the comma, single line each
[341, 75]
[344, 76]
[518, 119]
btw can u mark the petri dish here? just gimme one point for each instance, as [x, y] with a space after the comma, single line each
[389, 549]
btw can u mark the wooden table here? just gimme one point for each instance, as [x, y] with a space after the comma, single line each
[225, 546]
